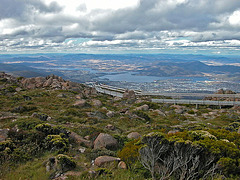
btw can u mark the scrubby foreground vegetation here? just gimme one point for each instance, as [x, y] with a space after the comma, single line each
[55, 129]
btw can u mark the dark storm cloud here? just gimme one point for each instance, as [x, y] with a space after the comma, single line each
[155, 15]
[21, 8]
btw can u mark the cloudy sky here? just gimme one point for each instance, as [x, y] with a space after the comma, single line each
[114, 26]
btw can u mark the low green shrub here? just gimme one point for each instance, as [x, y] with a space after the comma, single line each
[65, 162]
[73, 112]
[103, 171]
[130, 152]
[201, 134]
[94, 153]
[22, 109]
[26, 123]
[53, 130]
[56, 142]
[121, 140]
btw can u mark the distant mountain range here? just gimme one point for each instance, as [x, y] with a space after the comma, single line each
[32, 65]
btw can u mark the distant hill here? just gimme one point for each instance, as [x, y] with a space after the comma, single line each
[25, 71]
[20, 70]
[170, 68]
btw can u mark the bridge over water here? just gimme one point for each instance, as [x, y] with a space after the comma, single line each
[177, 97]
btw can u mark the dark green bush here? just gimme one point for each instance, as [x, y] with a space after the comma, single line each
[26, 123]
[130, 152]
[52, 130]
[22, 109]
[121, 140]
[222, 148]
[229, 166]
[94, 153]
[7, 144]
[65, 162]
[73, 112]
[10, 89]
[191, 112]
[103, 171]
[56, 142]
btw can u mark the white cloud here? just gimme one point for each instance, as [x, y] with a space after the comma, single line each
[234, 19]
[84, 25]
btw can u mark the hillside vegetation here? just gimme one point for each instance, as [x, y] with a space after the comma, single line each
[56, 129]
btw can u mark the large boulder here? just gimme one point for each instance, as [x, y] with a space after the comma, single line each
[80, 103]
[110, 114]
[105, 141]
[144, 107]
[122, 165]
[104, 160]
[29, 83]
[129, 94]
[179, 111]
[173, 131]
[110, 127]
[79, 96]
[96, 103]
[159, 112]
[134, 135]
[56, 84]
[39, 81]
[87, 92]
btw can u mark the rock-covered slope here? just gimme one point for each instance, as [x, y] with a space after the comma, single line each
[58, 129]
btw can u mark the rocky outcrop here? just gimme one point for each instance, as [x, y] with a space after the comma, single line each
[9, 78]
[52, 81]
[222, 91]
[227, 91]
[57, 82]
[104, 160]
[7, 82]
[105, 141]
[134, 135]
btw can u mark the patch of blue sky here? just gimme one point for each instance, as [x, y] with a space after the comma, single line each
[182, 38]
[77, 40]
